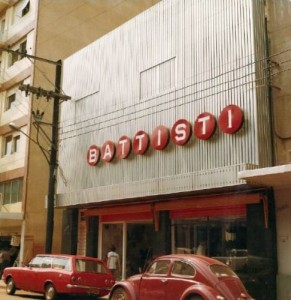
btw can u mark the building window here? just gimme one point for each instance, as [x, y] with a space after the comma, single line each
[11, 144]
[18, 55]
[11, 191]
[25, 10]
[2, 28]
[21, 9]
[10, 101]
[22, 49]
[8, 145]
[16, 143]
[158, 79]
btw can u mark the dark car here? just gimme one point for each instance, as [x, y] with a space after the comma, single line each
[182, 277]
[52, 275]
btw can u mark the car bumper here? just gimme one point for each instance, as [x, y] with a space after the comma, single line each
[83, 289]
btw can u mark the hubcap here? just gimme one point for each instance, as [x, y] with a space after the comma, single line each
[50, 294]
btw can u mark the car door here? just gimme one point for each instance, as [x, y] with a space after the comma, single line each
[30, 274]
[60, 273]
[153, 283]
[43, 273]
[181, 277]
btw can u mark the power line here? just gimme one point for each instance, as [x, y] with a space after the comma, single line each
[251, 82]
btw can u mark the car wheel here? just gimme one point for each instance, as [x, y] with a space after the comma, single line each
[10, 287]
[119, 294]
[50, 292]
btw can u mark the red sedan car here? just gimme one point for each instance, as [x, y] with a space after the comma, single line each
[52, 275]
[182, 277]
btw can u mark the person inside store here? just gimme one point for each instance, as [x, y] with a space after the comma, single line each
[113, 261]
[201, 249]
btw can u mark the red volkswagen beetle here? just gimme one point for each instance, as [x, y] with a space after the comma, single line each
[52, 275]
[182, 277]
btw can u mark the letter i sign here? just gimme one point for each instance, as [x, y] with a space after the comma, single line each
[230, 119]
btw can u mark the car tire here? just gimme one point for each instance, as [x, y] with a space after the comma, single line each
[119, 294]
[10, 287]
[50, 292]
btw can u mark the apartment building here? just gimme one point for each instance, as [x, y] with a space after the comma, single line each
[51, 30]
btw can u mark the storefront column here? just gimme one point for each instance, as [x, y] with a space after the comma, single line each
[69, 231]
[162, 237]
[92, 236]
[22, 241]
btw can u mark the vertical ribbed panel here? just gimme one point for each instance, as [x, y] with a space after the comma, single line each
[196, 56]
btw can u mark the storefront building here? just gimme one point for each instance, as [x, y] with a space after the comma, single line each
[166, 111]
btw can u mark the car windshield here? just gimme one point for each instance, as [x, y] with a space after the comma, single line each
[90, 266]
[222, 271]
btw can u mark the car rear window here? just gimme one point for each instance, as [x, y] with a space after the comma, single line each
[222, 271]
[90, 266]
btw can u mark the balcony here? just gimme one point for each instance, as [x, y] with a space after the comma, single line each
[4, 4]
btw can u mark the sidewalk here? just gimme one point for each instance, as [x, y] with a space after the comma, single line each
[2, 284]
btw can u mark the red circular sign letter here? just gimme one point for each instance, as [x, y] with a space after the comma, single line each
[123, 147]
[108, 151]
[230, 119]
[181, 132]
[204, 126]
[93, 155]
[140, 142]
[160, 137]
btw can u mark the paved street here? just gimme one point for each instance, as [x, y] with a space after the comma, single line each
[19, 294]
[22, 295]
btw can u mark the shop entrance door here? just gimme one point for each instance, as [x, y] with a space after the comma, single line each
[139, 247]
[112, 235]
[133, 243]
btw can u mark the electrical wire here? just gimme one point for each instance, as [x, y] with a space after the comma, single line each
[184, 87]
[251, 82]
[228, 82]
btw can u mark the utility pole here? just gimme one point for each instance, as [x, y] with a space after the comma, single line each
[57, 96]
[53, 163]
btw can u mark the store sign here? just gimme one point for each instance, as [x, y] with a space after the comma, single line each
[230, 121]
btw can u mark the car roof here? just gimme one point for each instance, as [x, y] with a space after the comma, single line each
[68, 256]
[193, 257]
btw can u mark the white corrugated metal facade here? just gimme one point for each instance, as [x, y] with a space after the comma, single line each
[174, 61]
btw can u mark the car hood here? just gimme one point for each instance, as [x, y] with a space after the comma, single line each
[232, 289]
